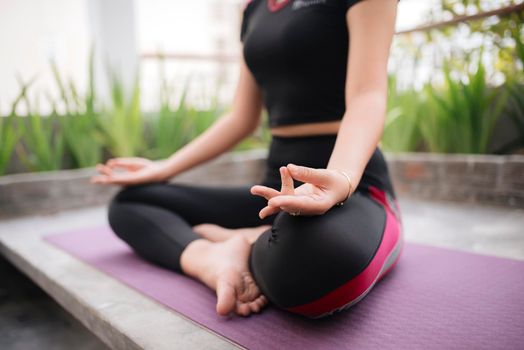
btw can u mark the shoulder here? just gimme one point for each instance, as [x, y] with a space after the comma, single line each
[247, 8]
[248, 4]
[350, 3]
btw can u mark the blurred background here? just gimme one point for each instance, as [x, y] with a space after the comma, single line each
[84, 80]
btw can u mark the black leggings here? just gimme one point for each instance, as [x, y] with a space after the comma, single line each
[310, 265]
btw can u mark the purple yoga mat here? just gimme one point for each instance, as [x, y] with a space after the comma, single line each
[434, 298]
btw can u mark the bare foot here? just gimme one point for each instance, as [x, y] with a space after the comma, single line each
[223, 266]
[216, 233]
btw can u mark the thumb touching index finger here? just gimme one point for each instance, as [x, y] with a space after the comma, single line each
[309, 175]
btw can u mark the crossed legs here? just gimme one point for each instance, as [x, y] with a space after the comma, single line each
[294, 262]
[190, 229]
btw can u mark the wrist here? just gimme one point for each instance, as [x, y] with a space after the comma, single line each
[349, 187]
[164, 170]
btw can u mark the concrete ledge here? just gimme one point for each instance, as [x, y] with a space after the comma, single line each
[484, 179]
[467, 178]
[121, 317]
[54, 191]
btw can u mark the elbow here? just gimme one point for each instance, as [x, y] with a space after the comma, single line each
[372, 101]
[244, 123]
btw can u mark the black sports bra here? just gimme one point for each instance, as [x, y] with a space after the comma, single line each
[297, 52]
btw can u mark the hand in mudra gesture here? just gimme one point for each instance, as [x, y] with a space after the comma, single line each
[322, 189]
[136, 171]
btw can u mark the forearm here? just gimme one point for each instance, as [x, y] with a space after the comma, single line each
[220, 137]
[359, 134]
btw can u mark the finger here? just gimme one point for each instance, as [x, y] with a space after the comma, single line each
[305, 204]
[320, 177]
[125, 179]
[123, 160]
[287, 200]
[104, 169]
[118, 179]
[264, 191]
[268, 210]
[288, 186]
[98, 179]
[104, 179]
[127, 163]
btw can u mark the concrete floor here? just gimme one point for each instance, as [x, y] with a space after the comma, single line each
[29, 319]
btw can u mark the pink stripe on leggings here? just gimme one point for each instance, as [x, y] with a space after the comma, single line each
[354, 288]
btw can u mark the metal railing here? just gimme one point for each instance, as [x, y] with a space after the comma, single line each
[223, 58]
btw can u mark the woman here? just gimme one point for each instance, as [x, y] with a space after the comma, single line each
[328, 224]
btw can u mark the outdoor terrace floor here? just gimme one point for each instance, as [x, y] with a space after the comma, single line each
[124, 318]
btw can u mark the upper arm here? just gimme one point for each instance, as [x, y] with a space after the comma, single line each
[371, 26]
[247, 102]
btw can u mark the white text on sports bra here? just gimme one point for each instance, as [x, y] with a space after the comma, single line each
[298, 4]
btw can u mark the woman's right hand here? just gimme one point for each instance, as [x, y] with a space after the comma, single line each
[136, 171]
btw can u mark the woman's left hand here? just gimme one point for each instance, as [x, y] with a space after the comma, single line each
[322, 189]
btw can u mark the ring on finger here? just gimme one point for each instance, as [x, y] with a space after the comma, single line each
[297, 213]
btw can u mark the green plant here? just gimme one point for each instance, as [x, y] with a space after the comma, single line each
[121, 124]
[515, 111]
[170, 129]
[43, 143]
[9, 138]
[9, 132]
[79, 124]
[459, 117]
[401, 129]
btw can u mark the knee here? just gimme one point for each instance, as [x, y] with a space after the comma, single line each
[118, 212]
[305, 264]
[293, 264]
[126, 194]
[115, 214]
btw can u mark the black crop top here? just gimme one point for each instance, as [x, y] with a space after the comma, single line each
[297, 51]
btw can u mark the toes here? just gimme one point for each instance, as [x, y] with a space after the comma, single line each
[243, 309]
[226, 297]
[255, 307]
[249, 290]
[261, 301]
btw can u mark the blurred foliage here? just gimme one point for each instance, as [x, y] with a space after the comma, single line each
[9, 132]
[401, 130]
[498, 35]
[475, 66]
[89, 131]
[460, 117]
[42, 148]
[502, 33]
[121, 123]
[456, 110]
[515, 110]
[79, 124]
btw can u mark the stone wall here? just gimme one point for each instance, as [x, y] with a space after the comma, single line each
[484, 179]
[54, 191]
[488, 179]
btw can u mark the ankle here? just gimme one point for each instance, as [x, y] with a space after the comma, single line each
[192, 259]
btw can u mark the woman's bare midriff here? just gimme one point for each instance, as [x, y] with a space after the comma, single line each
[322, 128]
